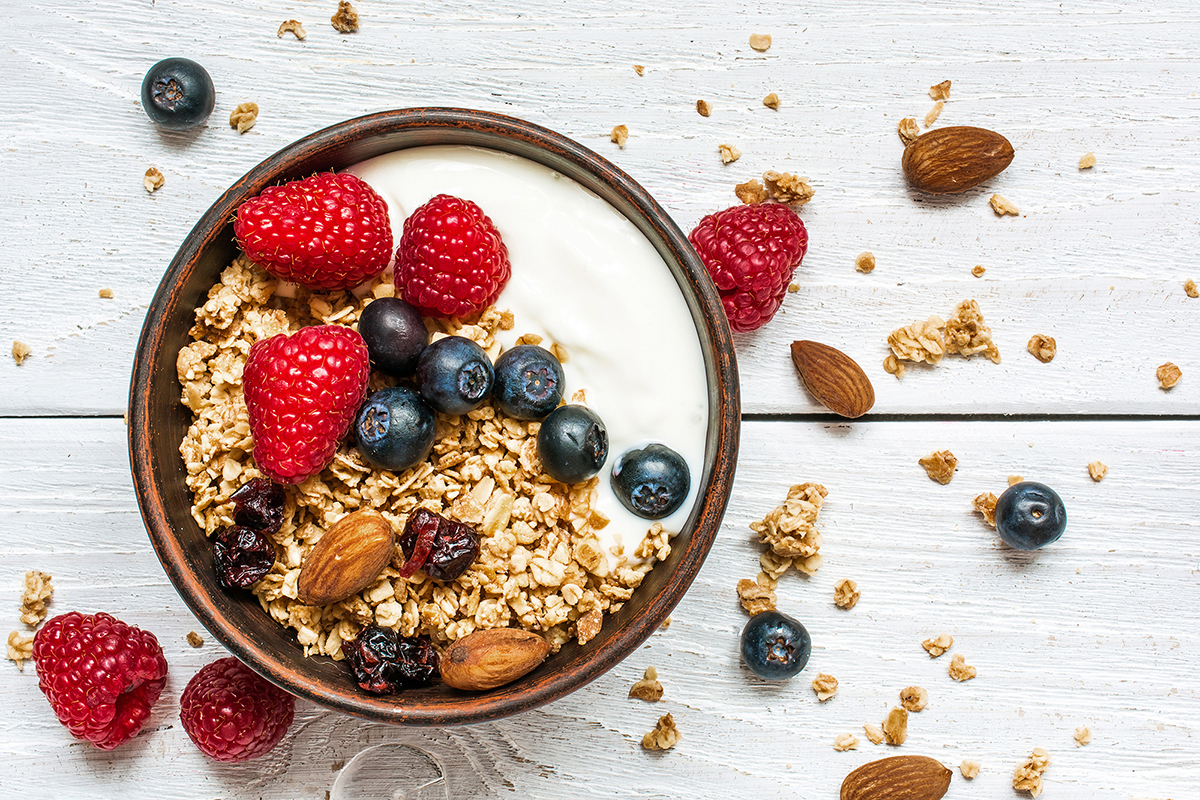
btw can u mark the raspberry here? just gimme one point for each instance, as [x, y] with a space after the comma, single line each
[232, 714]
[329, 231]
[100, 675]
[302, 392]
[451, 261]
[751, 252]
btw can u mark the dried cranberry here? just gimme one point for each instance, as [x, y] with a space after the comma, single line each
[242, 556]
[258, 504]
[385, 662]
[455, 545]
[417, 540]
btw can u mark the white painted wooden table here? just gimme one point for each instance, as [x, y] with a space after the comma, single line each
[1098, 630]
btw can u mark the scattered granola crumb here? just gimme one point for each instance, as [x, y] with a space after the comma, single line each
[36, 592]
[1014, 479]
[908, 130]
[666, 623]
[664, 736]
[865, 262]
[757, 596]
[1168, 375]
[729, 153]
[966, 333]
[194, 639]
[960, 670]
[969, 768]
[345, 19]
[914, 698]
[793, 287]
[825, 686]
[934, 113]
[940, 91]
[703, 108]
[895, 727]
[1097, 469]
[1027, 777]
[639, 69]
[1042, 347]
[938, 644]
[292, 26]
[790, 531]
[751, 192]
[1088, 161]
[106, 293]
[874, 733]
[619, 135]
[1189, 288]
[20, 351]
[845, 594]
[978, 270]
[243, 117]
[986, 504]
[1083, 735]
[587, 627]
[760, 41]
[920, 341]
[20, 648]
[845, 741]
[939, 466]
[153, 179]
[771, 100]
[892, 366]
[788, 188]
[648, 688]
[1003, 206]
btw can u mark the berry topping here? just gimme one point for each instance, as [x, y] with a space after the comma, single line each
[385, 662]
[258, 504]
[232, 714]
[302, 392]
[242, 556]
[651, 482]
[451, 261]
[442, 547]
[100, 675]
[395, 335]
[455, 375]
[572, 444]
[751, 252]
[394, 429]
[529, 382]
[326, 232]
[177, 94]
[1030, 515]
[775, 646]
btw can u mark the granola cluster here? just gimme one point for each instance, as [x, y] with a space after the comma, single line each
[964, 333]
[664, 736]
[790, 532]
[541, 567]
[939, 465]
[648, 688]
[1027, 777]
[36, 592]
[825, 686]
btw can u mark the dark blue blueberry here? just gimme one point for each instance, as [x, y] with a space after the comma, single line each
[454, 375]
[572, 444]
[178, 94]
[775, 646]
[1030, 515]
[395, 335]
[529, 382]
[651, 482]
[394, 429]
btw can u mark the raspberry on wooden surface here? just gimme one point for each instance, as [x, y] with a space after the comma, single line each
[232, 714]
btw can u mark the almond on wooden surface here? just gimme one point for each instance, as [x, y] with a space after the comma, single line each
[897, 778]
[833, 378]
[955, 159]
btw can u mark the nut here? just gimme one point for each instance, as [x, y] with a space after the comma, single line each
[834, 378]
[897, 778]
[949, 160]
[347, 559]
[490, 658]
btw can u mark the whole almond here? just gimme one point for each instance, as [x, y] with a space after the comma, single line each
[490, 658]
[834, 378]
[347, 559]
[949, 160]
[897, 778]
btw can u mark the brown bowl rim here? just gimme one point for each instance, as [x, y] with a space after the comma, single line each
[334, 147]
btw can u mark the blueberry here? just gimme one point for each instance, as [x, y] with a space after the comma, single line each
[395, 335]
[178, 94]
[1030, 515]
[529, 382]
[651, 482]
[775, 646]
[572, 444]
[454, 375]
[394, 429]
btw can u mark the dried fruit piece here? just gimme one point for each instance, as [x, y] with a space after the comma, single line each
[259, 504]
[955, 159]
[384, 662]
[242, 556]
[833, 378]
[347, 559]
[897, 778]
[443, 548]
[489, 658]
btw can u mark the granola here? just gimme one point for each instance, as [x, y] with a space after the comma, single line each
[771, 101]
[1087, 161]
[153, 180]
[960, 670]
[1083, 736]
[939, 466]
[703, 108]
[760, 41]
[1027, 777]
[790, 531]
[895, 726]
[938, 644]
[1097, 469]
[345, 19]
[788, 188]
[940, 91]
[729, 153]
[293, 27]
[106, 293]
[846, 594]
[36, 592]
[751, 192]
[619, 135]
[966, 333]
[978, 270]
[194, 639]
[639, 69]
[664, 736]
[969, 768]
[908, 130]
[934, 113]
[20, 648]
[1013, 480]
[1168, 374]
[825, 686]
[874, 733]
[1189, 288]
[845, 741]
[648, 688]
[243, 117]
[914, 698]
[1042, 347]
[865, 262]
[1002, 206]
[985, 504]
[920, 341]
[758, 595]
[20, 351]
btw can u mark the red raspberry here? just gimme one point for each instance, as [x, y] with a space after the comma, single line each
[302, 392]
[751, 252]
[329, 231]
[100, 675]
[451, 261]
[232, 714]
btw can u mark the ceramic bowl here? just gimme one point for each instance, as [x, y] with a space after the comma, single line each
[158, 421]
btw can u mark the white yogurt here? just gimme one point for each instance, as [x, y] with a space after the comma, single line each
[582, 276]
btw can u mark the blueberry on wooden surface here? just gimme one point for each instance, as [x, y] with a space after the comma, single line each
[652, 481]
[395, 335]
[572, 444]
[1030, 515]
[454, 375]
[529, 382]
[177, 94]
[775, 646]
[394, 429]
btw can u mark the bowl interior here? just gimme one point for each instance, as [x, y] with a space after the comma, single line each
[158, 422]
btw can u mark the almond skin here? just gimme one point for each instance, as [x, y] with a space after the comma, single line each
[490, 658]
[834, 378]
[347, 559]
[897, 778]
[949, 160]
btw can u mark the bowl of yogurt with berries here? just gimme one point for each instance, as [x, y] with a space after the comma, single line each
[434, 417]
